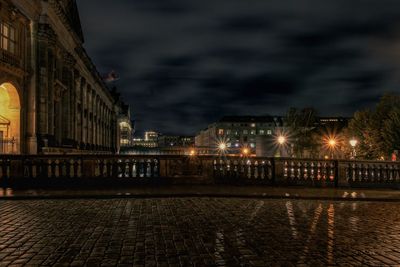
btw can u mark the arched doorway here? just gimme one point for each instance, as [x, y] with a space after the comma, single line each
[10, 120]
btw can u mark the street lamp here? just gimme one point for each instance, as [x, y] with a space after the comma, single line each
[353, 142]
[332, 144]
[245, 151]
[281, 140]
[222, 146]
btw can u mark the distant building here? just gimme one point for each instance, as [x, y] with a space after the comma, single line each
[151, 136]
[257, 134]
[175, 141]
[238, 132]
[140, 143]
[126, 127]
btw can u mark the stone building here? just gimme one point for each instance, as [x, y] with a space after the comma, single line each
[238, 132]
[52, 98]
[126, 128]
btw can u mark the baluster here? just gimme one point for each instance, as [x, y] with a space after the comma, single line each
[263, 170]
[235, 169]
[312, 171]
[242, 169]
[349, 172]
[380, 174]
[397, 175]
[135, 169]
[156, 168]
[306, 170]
[330, 176]
[68, 167]
[256, 171]
[367, 173]
[391, 173]
[386, 173]
[102, 167]
[109, 167]
[298, 170]
[53, 165]
[114, 168]
[319, 174]
[76, 168]
[362, 173]
[285, 169]
[373, 173]
[292, 171]
[148, 168]
[130, 168]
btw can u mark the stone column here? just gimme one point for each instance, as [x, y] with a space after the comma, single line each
[31, 127]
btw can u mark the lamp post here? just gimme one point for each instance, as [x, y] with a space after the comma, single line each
[281, 142]
[353, 142]
[332, 144]
[222, 147]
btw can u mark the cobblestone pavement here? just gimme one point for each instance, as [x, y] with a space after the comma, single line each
[199, 232]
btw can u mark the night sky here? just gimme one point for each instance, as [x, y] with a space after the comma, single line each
[184, 64]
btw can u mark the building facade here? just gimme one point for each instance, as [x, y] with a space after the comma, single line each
[165, 141]
[52, 98]
[238, 132]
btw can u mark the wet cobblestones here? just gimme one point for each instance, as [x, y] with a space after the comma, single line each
[199, 232]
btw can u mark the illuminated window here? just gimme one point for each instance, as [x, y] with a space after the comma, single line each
[252, 145]
[8, 38]
[245, 132]
[269, 132]
[228, 132]
[253, 125]
[253, 132]
[261, 132]
[221, 132]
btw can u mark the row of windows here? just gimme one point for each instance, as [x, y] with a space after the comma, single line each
[253, 125]
[237, 145]
[245, 132]
[8, 37]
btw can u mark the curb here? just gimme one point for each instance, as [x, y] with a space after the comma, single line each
[194, 195]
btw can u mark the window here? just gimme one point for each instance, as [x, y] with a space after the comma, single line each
[245, 132]
[253, 125]
[221, 132]
[253, 132]
[261, 132]
[269, 132]
[8, 38]
[228, 132]
[252, 145]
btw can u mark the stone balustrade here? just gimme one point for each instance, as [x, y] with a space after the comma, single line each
[125, 169]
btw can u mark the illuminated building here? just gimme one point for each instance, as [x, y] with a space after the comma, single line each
[238, 132]
[126, 129]
[175, 141]
[52, 98]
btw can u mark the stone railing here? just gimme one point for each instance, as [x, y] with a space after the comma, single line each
[112, 170]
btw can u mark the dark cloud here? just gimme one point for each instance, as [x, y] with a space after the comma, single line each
[185, 63]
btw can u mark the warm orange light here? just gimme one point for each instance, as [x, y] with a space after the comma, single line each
[332, 142]
[281, 140]
[10, 112]
[222, 146]
[246, 151]
[192, 152]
